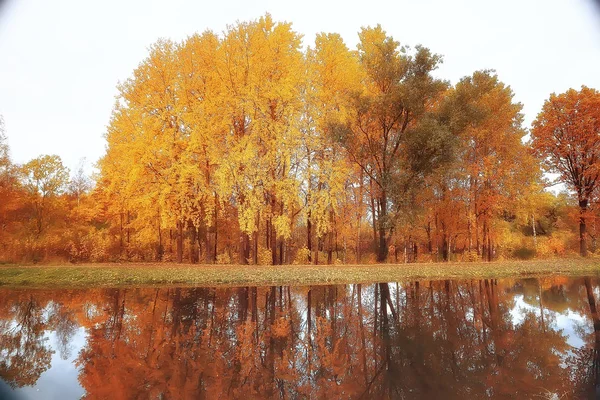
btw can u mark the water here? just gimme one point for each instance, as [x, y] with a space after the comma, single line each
[513, 338]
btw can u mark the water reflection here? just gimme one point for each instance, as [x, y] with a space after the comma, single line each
[440, 339]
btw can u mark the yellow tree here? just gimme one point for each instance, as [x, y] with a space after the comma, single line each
[45, 178]
[198, 102]
[260, 67]
[333, 81]
[160, 127]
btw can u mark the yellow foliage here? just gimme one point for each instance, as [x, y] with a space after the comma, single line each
[302, 256]
[223, 258]
[265, 256]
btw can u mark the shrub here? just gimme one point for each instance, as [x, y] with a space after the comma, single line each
[302, 256]
[471, 256]
[223, 258]
[524, 253]
[265, 256]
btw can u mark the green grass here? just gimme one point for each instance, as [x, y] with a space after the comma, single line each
[108, 275]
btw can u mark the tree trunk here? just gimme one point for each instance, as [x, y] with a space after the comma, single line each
[582, 227]
[255, 237]
[484, 252]
[534, 231]
[281, 244]
[244, 248]
[309, 237]
[216, 241]
[429, 242]
[159, 247]
[374, 215]
[382, 250]
[359, 216]
[120, 234]
[445, 246]
[330, 240]
[273, 238]
[179, 242]
[193, 248]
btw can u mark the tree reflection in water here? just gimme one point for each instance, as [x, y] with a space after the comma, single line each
[427, 339]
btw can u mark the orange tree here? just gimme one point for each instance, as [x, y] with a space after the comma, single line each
[565, 135]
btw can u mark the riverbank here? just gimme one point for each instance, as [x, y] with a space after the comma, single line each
[131, 274]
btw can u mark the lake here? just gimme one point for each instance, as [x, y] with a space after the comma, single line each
[451, 339]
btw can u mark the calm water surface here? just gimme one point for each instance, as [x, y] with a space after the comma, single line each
[513, 338]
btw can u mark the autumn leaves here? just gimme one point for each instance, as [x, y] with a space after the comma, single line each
[566, 136]
[245, 147]
[281, 143]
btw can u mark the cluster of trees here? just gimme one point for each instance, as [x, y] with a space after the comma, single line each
[440, 339]
[243, 147]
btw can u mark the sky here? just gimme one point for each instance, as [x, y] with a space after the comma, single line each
[60, 61]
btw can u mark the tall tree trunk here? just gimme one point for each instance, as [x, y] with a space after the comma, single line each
[128, 230]
[582, 227]
[490, 247]
[382, 250]
[120, 234]
[534, 231]
[273, 244]
[193, 249]
[359, 216]
[159, 247]
[415, 251]
[309, 236]
[429, 242]
[373, 214]
[244, 252]
[445, 246]
[477, 233]
[255, 237]
[280, 262]
[484, 252]
[179, 241]
[330, 240]
[216, 233]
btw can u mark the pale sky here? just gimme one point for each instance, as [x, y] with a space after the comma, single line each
[60, 61]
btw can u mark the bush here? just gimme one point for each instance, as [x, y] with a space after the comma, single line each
[265, 257]
[302, 256]
[524, 253]
[471, 256]
[223, 258]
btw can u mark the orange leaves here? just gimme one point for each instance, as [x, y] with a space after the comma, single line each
[566, 136]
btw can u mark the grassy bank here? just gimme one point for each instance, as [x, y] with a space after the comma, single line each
[234, 275]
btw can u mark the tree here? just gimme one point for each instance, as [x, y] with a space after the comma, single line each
[262, 71]
[10, 194]
[333, 80]
[80, 183]
[566, 136]
[491, 161]
[393, 135]
[44, 178]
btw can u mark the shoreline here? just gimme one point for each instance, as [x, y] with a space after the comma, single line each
[161, 274]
